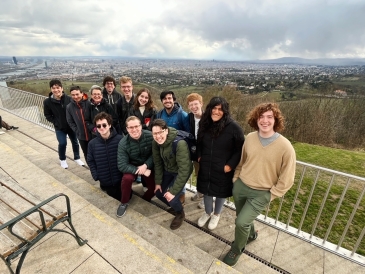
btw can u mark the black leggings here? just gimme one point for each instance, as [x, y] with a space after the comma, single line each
[84, 145]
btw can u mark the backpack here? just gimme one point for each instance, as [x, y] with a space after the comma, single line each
[189, 139]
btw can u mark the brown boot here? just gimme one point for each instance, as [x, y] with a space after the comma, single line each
[178, 220]
[182, 199]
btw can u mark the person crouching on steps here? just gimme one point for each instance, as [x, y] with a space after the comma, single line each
[171, 170]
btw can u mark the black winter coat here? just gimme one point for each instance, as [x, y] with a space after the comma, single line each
[95, 109]
[112, 98]
[123, 109]
[214, 155]
[55, 111]
[151, 114]
[76, 114]
[102, 159]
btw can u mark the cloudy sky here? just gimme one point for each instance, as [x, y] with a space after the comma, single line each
[196, 29]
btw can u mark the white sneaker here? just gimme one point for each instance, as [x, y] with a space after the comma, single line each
[203, 219]
[64, 164]
[213, 222]
[201, 204]
[1, 132]
[79, 162]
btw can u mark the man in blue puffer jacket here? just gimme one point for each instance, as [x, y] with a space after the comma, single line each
[102, 156]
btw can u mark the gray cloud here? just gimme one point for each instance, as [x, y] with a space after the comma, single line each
[231, 29]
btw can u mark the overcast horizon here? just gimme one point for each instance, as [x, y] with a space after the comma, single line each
[231, 30]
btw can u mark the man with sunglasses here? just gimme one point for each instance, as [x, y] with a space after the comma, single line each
[102, 155]
[135, 158]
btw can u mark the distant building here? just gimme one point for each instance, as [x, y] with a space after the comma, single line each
[341, 93]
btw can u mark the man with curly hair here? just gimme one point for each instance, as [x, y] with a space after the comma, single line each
[266, 171]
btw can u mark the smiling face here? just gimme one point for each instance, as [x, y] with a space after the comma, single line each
[96, 96]
[109, 86]
[103, 128]
[76, 95]
[56, 91]
[143, 98]
[217, 113]
[195, 107]
[266, 124]
[134, 128]
[168, 102]
[127, 89]
[159, 134]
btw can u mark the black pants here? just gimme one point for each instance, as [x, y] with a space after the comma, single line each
[84, 146]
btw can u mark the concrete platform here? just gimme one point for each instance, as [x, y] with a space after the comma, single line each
[141, 241]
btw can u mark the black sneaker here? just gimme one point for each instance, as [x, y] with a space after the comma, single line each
[13, 128]
[121, 210]
[252, 238]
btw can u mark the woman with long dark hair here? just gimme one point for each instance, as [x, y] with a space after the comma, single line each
[219, 146]
[144, 108]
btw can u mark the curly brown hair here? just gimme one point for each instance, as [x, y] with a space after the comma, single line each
[255, 114]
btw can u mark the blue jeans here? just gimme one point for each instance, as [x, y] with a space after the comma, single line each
[168, 181]
[62, 143]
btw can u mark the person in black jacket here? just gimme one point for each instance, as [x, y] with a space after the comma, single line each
[144, 108]
[219, 146]
[195, 105]
[102, 156]
[99, 104]
[54, 108]
[76, 112]
[125, 103]
[110, 94]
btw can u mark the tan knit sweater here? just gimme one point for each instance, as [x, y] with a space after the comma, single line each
[267, 168]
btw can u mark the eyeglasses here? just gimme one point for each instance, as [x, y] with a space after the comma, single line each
[158, 133]
[124, 87]
[99, 125]
[135, 127]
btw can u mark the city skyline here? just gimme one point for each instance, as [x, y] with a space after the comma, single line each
[233, 30]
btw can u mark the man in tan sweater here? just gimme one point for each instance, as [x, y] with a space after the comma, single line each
[266, 171]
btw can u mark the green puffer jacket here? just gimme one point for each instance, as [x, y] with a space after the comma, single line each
[164, 159]
[133, 153]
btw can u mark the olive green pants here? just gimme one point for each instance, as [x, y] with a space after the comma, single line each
[249, 204]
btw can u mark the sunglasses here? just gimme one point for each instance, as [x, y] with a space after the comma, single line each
[99, 125]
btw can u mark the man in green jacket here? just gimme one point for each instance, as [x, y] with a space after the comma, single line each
[171, 170]
[135, 158]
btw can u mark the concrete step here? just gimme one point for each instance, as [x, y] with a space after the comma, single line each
[110, 244]
[43, 159]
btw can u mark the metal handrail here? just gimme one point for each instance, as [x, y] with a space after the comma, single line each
[29, 106]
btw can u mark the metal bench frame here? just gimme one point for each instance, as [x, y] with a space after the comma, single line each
[26, 244]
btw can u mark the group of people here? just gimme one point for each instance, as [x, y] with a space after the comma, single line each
[123, 137]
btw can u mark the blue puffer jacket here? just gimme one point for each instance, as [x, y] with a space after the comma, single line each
[177, 118]
[102, 159]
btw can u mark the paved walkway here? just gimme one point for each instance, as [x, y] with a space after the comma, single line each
[140, 241]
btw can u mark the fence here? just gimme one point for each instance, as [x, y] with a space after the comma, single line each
[324, 207]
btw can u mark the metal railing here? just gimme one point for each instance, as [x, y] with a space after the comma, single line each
[324, 207]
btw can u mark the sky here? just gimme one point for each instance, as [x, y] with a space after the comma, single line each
[191, 29]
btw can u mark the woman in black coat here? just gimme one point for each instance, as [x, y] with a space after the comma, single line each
[220, 141]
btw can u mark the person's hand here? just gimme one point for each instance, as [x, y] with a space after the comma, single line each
[227, 168]
[147, 173]
[199, 159]
[158, 187]
[169, 196]
[141, 169]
